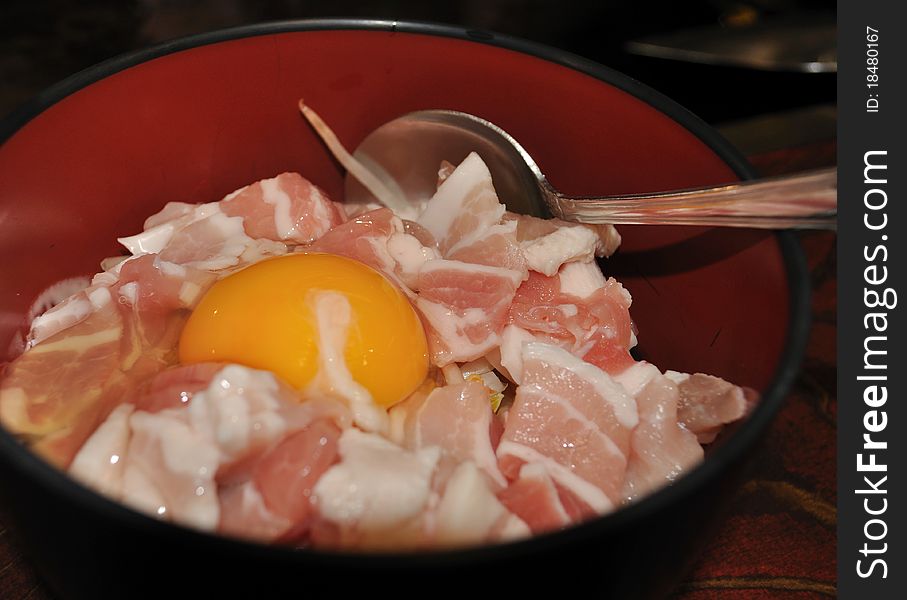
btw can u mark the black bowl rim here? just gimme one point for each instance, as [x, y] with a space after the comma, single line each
[795, 344]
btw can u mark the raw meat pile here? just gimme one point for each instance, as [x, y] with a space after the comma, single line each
[534, 415]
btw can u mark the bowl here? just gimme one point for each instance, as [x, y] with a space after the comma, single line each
[193, 119]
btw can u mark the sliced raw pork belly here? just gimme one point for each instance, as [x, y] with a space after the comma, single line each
[287, 208]
[464, 208]
[465, 295]
[102, 342]
[572, 418]
[244, 514]
[203, 238]
[576, 309]
[36, 396]
[534, 498]
[549, 243]
[469, 512]
[707, 403]
[384, 242]
[661, 449]
[465, 306]
[286, 474]
[174, 387]
[249, 224]
[245, 435]
[377, 494]
[457, 418]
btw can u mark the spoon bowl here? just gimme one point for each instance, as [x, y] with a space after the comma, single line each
[405, 154]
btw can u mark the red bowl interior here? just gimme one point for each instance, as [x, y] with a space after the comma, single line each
[195, 124]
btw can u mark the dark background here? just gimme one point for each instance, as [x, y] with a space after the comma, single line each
[43, 41]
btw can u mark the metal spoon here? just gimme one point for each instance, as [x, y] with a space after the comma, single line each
[405, 155]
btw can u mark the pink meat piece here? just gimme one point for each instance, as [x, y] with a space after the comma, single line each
[251, 223]
[464, 296]
[608, 354]
[263, 489]
[37, 399]
[377, 494]
[420, 233]
[295, 415]
[707, 403]
[174, 387]
[276, 504]
[534, 498]
[163, 286]
[496, 248]
[576, 507]
[363, 238]
[468, 510]
[126, 332]
[458, 419]
[246, 436]
[531, 229]
[661, 449]
[212, 243]
[286, 474]
[574, 419]
[464, 218]
[464, 207]
[160, 296]
[465, 306]
[381, 240]
[597, 328]
[287, 208]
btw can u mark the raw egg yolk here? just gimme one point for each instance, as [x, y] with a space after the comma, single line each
[262, 317]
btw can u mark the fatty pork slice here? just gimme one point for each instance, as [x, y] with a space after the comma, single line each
[464, 296]
[174, 387]
[661, 448]
[377, 495]
[159, 297]
[534, 498]
[287, 208]
[573, 419]
[549, 243]
[78, 370]
[707, 403]
[214, 243]
[464, 217]
[576, 309]
[465, 306]
[254, 222]
[469, 513]
[56, 393]
[384, 242]
[244, 514]
[200, 236]
[277, 503]
[457, 418]
[158, 287]
[245, 434]
[464, 207]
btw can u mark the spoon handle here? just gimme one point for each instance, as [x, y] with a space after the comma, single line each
[804, 201]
